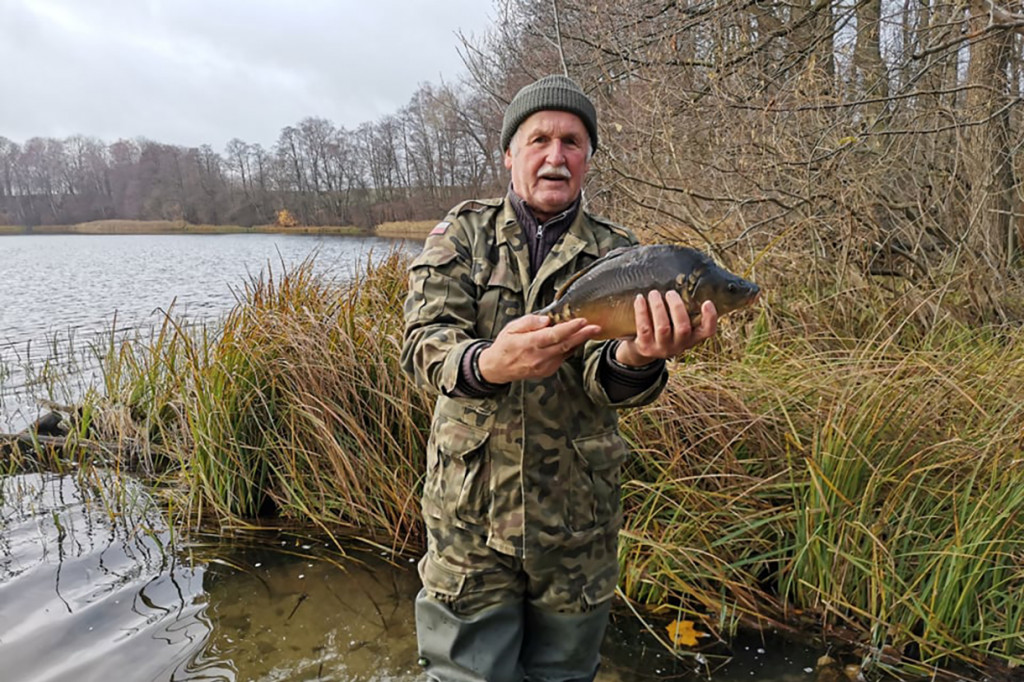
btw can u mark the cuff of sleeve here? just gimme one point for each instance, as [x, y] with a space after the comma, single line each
[652, 367]
[470, 383]
[622, 382]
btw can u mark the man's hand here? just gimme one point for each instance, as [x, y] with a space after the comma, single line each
[528, 348]
[663, 329]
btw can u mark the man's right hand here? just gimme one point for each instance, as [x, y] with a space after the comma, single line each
[529, 347]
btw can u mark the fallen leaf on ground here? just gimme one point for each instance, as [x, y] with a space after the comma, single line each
[682, 633]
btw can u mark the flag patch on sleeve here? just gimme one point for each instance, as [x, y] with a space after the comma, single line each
[439, 228]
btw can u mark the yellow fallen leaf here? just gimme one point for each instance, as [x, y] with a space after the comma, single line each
[682, 633]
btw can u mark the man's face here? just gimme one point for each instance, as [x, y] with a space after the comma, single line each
[548, 160]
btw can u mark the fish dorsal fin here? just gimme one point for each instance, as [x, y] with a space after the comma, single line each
[614, 253]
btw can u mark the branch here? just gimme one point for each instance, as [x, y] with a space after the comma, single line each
[1004, 18]
[558, 38]
[30, 442]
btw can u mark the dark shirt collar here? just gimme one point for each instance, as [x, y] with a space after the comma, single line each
[541, 237]
[529, 221]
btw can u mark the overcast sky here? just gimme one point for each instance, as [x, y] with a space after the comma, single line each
[191, 72]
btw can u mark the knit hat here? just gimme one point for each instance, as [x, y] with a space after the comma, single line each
[550, 92]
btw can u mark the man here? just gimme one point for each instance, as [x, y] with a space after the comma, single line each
[521, 496]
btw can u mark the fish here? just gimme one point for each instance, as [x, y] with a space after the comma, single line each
[603, 292]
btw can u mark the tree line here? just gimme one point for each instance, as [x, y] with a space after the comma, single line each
[412, 164]
[876, 134]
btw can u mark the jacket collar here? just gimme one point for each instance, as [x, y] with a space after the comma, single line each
[578, 238]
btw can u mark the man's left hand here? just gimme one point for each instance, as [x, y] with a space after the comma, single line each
[663, 329]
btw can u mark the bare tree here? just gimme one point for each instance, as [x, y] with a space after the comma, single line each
[990, 141]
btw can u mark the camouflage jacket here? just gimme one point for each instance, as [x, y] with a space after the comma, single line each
[535, 465]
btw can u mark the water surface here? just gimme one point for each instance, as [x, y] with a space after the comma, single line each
[64, 292]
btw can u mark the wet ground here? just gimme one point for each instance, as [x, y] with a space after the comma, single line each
[94, 587]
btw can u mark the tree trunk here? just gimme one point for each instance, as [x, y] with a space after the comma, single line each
[989, 160]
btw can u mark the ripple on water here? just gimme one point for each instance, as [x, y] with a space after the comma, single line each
[91, 592]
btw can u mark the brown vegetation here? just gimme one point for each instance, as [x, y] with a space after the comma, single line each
[414, 229]
[828, 457]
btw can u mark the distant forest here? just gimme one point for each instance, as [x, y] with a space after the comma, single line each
[876, 134]
[412, 164]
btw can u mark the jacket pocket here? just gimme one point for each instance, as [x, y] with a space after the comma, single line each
[501, 299]
[594, 487]
[441, 582]
[459, 485]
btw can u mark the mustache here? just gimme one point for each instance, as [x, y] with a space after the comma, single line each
[560, 172]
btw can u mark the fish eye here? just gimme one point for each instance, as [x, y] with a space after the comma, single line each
[732, 287]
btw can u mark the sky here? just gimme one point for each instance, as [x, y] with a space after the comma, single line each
[193, 72]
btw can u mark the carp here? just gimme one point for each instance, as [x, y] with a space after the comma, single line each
[604, 291]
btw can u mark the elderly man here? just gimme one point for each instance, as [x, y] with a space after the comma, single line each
[521, 495]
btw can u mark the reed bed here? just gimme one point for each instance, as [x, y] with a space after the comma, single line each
[309, 229]
[407, 229]
[295, 407]
[844, 457]
[873, 480]
[127, 227]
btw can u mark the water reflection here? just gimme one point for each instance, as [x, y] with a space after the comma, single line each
[88, 586]
[92, 587]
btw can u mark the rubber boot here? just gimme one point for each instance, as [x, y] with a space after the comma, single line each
[483, 647]
[563, 647]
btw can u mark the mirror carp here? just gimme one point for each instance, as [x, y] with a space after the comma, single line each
[604, 291]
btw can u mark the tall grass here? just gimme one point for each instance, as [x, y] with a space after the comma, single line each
[845, 454]
[874, 479]
[295, 407]
[411, 229]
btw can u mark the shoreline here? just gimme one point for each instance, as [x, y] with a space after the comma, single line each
[406, 230]
[108, 227]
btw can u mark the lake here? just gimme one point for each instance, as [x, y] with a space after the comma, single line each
[55, 289]
[94, 583]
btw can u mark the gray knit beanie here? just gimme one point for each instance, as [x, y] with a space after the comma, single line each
[550, 92]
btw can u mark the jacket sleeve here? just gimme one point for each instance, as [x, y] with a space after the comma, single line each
[440, 310]
[595, 357]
